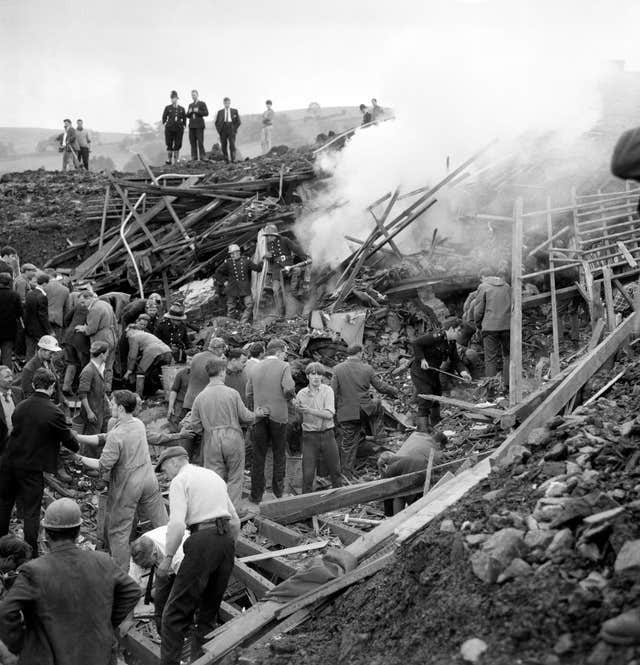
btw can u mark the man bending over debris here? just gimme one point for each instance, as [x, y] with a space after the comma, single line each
[133, 485]
[198, 501]
[65, 606]
[351, 383]
[431, 352]
[218, 413]
[413, 455]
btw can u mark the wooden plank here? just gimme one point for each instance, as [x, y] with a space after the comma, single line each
[228, 611]
[515, 364]
[270, 554]
[554, 364]
[296, 508]
[467, 406]
[596, 334]
[140, 219]
[273, 566]
[332, 587]
[608, 297]
[629, 258]
[346, 533]
[552, 236]
[604, 388]
[427, 479]
[103, 222]
[251, 579]
[277, 533]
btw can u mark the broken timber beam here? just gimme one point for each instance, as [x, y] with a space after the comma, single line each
[494, 413]
[296, 508]
[272, 554]
[251, 579]
[277, 533]
[273, 565]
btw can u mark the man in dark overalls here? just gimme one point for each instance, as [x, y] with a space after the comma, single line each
[174, 119]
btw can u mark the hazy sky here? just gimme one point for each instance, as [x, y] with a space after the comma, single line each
[114, 61]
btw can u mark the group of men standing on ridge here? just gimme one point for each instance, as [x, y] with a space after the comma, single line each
[227, 123]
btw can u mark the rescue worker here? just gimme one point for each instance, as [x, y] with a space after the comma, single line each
[147, 355]
[413, 455]
[218, 413]
[281, 254]
[39, 428]
[198, 377]
[235, 274]
[174, 119]
[431, 352]
[92, 392]
[46, 348]
[76, 345]
[172, 330]
[66, 606]
[355, 408]
[199, 502]
[133, 485]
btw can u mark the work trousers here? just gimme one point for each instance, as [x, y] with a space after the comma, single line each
[223, 452]
[236, 304]
[427, 382]
[196, 141]
[287, 305]
[317, 446]
[173, 138]
[197, 591]
[496, 343]
[228, 142]
[267, 130]
[353, 434]
[160, 597]
[153, 375]
[83, 154]
[268, 434]
[6, 352]
[31, 344]
[122, 512]
[26, 488]
[69, 156]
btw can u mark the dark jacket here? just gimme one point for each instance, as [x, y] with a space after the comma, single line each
[92, 386]
[173, 333]
[5, 267]
[10, 313]
[131, 311]
[197, 112]
[436, 349]
[64, 606]
[284, 252]
[492, 305]
[351, 383]
[238, 275]
[78, 340]
[174, 117]
[221, 124]
[39, 427]
[58, 301]
[36, 314]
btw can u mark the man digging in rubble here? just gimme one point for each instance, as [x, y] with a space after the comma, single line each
[218, 413]
[282, 253]
[235, 275]
[65, 607]
[199, 502]
[132, 485]
[433, 353]
[355, 408]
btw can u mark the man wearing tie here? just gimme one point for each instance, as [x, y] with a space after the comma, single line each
[9, 397]
[196, 113]
[227, 123]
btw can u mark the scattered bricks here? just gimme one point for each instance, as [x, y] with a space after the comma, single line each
[628, 556]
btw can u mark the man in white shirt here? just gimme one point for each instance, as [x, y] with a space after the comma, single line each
[68, 146]
[227, 123]
[267, 127]
[198, 501]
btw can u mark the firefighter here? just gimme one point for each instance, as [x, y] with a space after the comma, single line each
[235, 272]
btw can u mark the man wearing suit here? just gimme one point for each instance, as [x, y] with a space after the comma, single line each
[196, 113]
[36, 314]
[68, 145]
[174, 119]
[58, 299]
[227, 123]
[10, 397]
[10, 316]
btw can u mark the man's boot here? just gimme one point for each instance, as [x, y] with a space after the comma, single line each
[169, 157]
[623, 629]
[176, 156]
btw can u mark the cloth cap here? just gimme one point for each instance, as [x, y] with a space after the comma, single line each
[49, 343]
[176, 312]
[28, 266]
[168, 453]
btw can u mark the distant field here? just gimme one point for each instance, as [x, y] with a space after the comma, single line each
[293, 128]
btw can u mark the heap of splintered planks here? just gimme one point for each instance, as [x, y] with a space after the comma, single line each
[176, 227]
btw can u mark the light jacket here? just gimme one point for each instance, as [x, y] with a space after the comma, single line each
[492, 306]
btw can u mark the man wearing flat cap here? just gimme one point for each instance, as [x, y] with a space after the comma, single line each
[199, 502]
[174, 119]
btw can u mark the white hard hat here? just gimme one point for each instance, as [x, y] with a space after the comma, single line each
[233, 248]
[49, 343]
